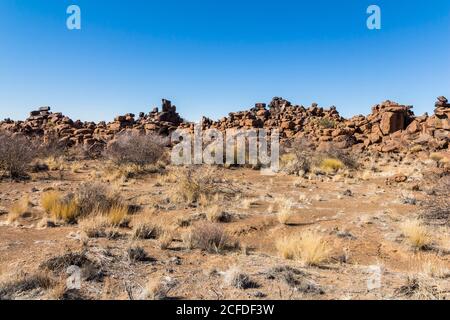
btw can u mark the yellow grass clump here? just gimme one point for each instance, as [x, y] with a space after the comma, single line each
[49, 200]
[19, 208]
[55, 163]
[330, 164]
[117, 215]
[435, 156]
[284, 212]
[416, 234]
[67, 210]
[309, 247]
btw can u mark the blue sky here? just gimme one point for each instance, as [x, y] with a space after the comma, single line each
[213, 57]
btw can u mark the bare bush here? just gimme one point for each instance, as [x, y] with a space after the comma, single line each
[95, 197]
[195, 183]
[211, 238]
[16, 153]
[136, 149]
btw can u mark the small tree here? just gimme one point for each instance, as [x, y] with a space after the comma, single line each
[16, 153]
[136, 149]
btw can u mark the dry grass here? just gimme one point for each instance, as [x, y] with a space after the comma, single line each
[144, 228]
[433, 267]
[216, 214]
[309, 247]
[436, 156]
[117, 215]
[19, 209]
[331, 165]
[416, 234]
[165, 240]
[49, 200]
[284, 212]
[194, 183]
[234, 277]
[59, 207]
[24, 283]
[211, 238]
[420, 287]
[188, 240]
[55, 163]
[248, 203]
[66, 211]
[158, 289]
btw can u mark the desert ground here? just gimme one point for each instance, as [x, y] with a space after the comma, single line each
[377, 229]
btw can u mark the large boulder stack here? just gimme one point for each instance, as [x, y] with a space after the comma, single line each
[390, 127]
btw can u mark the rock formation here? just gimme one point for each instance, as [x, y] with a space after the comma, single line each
[390, 127]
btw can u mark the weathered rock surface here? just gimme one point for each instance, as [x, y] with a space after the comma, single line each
[390, 127]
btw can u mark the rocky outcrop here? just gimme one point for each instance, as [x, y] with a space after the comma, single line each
[390, 127]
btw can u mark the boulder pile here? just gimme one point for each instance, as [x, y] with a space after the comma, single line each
[390, 127]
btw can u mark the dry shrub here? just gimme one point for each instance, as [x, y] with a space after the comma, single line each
[416, 234]
[117, 215]
[188, 240]
[165, 239]
[299, 159]
[348, 160]
[19, 209]
[99, 226]
[49, 200]
[211, 238]
[436, 208]
[143, 228]
[234, 277]
[16, 154]
[158, 289]
[95, 197]
[55, 163]
[136, 149]
[25, 283]
[195, 182]
[308, 247]
[136, 253]
[434, 267]
[60, 207]
[284, 212]
[88, 199]
[216, 214]
[420, 287]
[331, 165]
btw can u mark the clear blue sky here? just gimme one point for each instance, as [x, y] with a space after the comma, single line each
[212, 57]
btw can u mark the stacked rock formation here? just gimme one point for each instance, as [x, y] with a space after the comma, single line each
[56, 126]
[390, 127]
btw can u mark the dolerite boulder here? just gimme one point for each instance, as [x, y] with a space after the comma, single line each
[390, 127]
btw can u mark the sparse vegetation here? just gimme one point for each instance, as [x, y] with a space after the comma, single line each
[19, 209]
[309, 247]
[416, 234]
[194, 183]
[158, 289]
[137, 150]
[234, 277]
[331, 165]
[24, 283]
[16, 154]
[216, 214]
[284, 212]
[211, 238]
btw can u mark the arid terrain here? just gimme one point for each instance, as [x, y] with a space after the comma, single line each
[352, 220]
